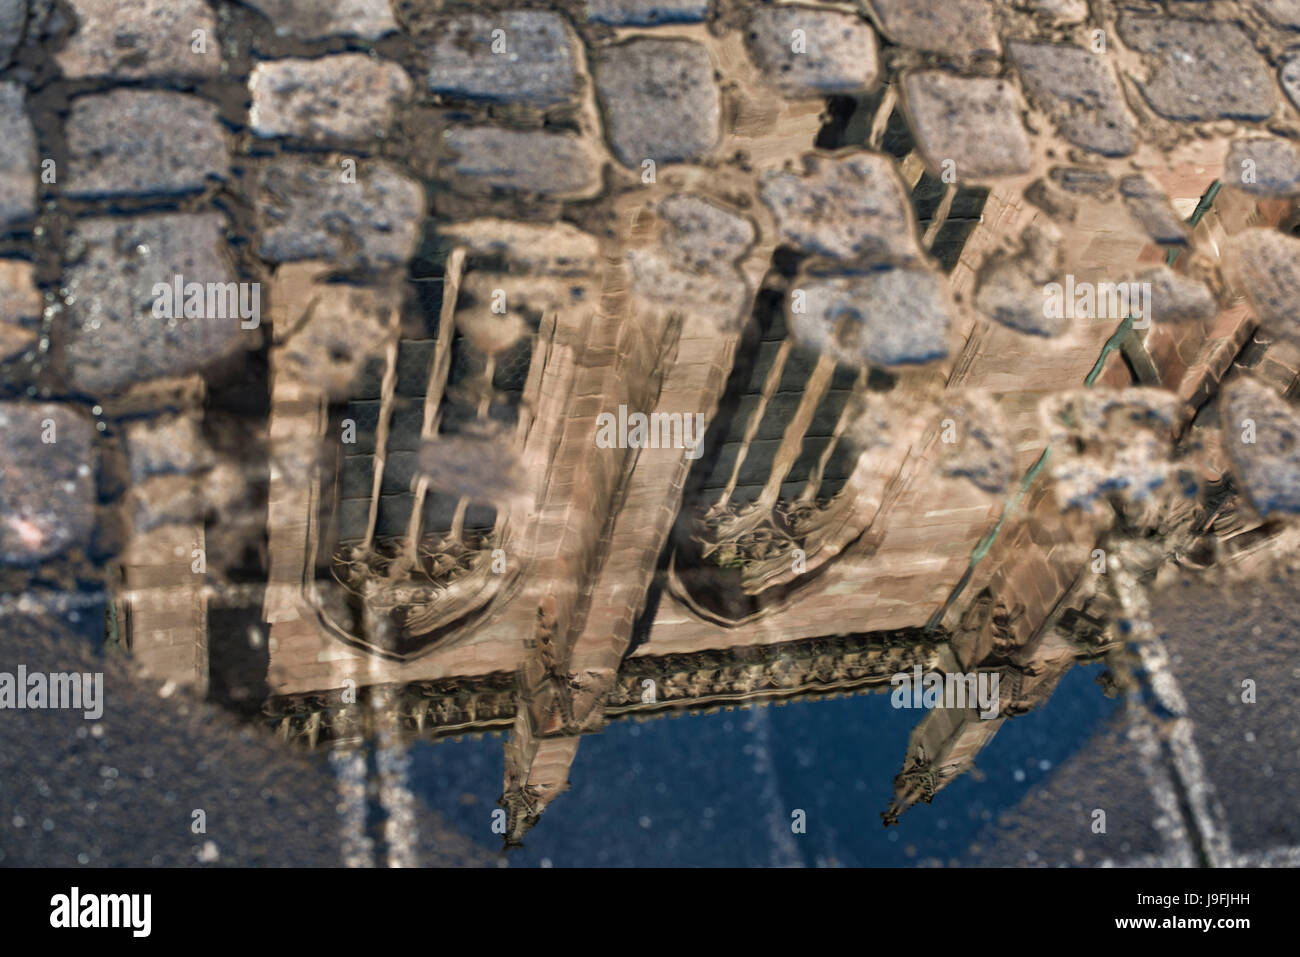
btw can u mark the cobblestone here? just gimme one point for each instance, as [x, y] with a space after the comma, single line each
[972, 121]
[1080, 90]
[956, 27]
[1268, 264]
[1151, 208]
[692, 266]
[857, 318]
[132, 39]
[1266, 166]
[20, 308]
[1178, 298]
[335, 99]
[17, 158]
[47, 481]
[980, 451]
[532, 161]
[643, 13]
[512, 56]
[124, 143]
[1283, 13]
[310, 21]
[310, 212]
[1010, 285]
[169, 445]
[13, 15]
[1263, 437]
[660, 100]
[807, 51]
[847, 206]
[113, 337]
[1200, 70]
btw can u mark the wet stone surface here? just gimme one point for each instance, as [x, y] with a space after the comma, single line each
[512, 56]
[955, 27]
[123, 143]
[17, 158]
[140, 38]
[849, 206]
[1078, 87]
[309, 21]
[1200, 70]
[309, 211]
[660, 100]
[47, 483]
[805, 51]
[113, 337]
[972, 121]
[857, 318]
[530, 161]
[333, 99]
[1263, 437]
[1265, 166]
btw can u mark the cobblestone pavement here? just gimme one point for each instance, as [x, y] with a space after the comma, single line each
[225, 227]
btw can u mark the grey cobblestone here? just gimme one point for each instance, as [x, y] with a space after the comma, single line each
[113, 337]
[973, 121]
[1263, 437]
[309, 211]
[1200, 70]
[17, 158]
[847, 207]
[1149, 205]
[857, 318]
[1266, 166]
[335, 99]
[311, 21]
[532, 161]
[1078, 87]
[511, 56]
[13, 15]
[47, 482]
[660, 100]
[1178, 298]
[834, 52]
[642, 13]
[1268, 267]
[961, 27]
[140, 38]
[125, 143]
[20, 308]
